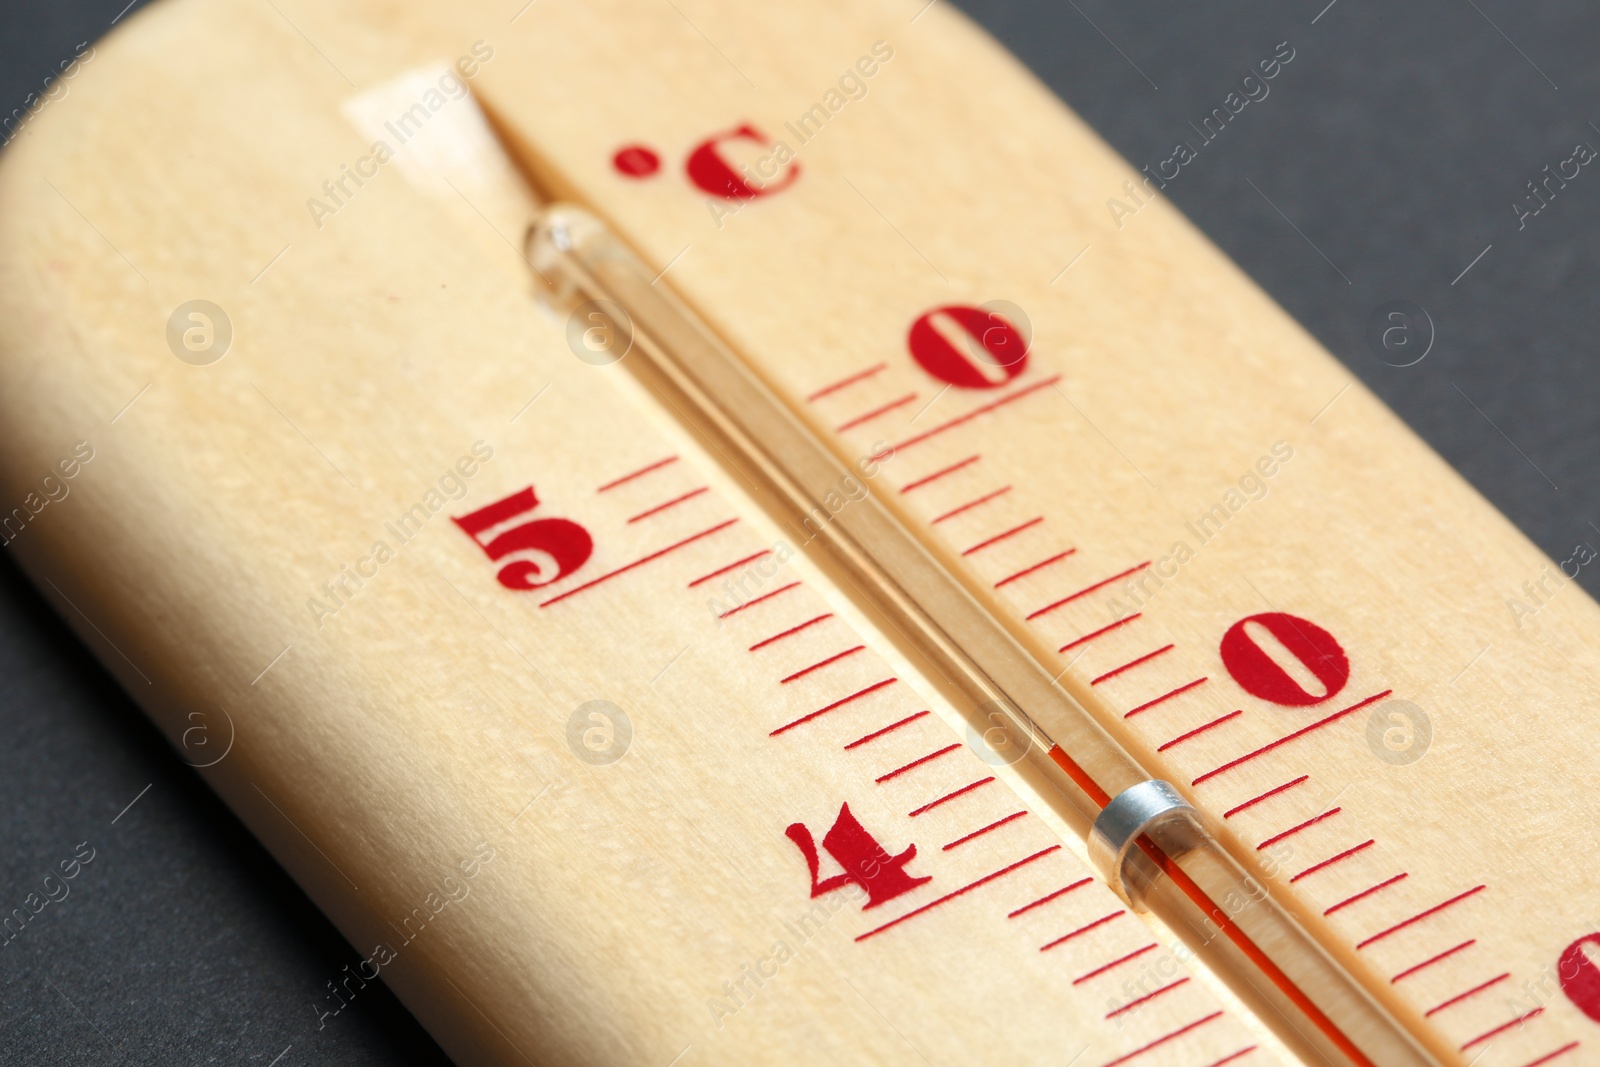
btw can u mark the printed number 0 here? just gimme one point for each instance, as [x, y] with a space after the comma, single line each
[559, 546]
[1261, 675]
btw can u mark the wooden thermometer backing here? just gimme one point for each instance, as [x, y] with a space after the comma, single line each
[530, 689]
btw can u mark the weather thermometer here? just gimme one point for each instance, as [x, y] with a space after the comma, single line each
[712, 547]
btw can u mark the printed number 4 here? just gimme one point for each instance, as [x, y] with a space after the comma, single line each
[551, 548]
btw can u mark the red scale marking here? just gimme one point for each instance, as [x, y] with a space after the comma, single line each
[674, 502]
[858, 742]
[1562, 1051]
[1086, 638]
[914, 764]
[940, 473]
[858, 376]
[969, 887]
[1048, 897]
[1087, 590]
[997, 538]
[1164, 697]
[950, 796]
[1459, 997]
[1142, 1049]
[1291, 831]
[1268, 795]
[1331, 860]
[763, 597]
[1280, 742]
[1118, 962]
[790, 631]
[1365, 893]
[1198, 730]
[983, 830]
[1024, 572]
[640, 473]
[1241, 1054]
[1064, 938]
[1502, 1028]
[1397, 927]
[852, 698]
[704, 578]
[1431, 960]
[691, 539]
[960, 420]
[802, 672]
[868, 416]
[1113, 1013]
[969, 505]
[1131, 664]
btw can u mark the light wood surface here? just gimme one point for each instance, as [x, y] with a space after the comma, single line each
[415, 727]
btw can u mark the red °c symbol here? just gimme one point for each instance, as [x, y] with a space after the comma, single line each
[636, 161]
[1579, 974]
[709, 170]
[969, 347]
[1313, 647]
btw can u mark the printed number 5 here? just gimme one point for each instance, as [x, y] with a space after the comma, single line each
[551, 548]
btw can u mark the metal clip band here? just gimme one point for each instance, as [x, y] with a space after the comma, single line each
[1154, 808]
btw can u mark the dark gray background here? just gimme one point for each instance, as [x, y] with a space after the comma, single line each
[1394, 144]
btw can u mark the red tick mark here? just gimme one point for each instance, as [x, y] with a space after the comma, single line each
[959, 420]
[887, 729]
[1459, 997]
[940, 473]
[1086, 590]
[1198, 730]
[1164, 697]
[704, 578]
[763, 597]
[1562, 1051]
[802, 672]
[980, 832]
[997, 538]
[1131, 664]
[1063, 939]
[1118, 962]
[1397, 927]
[969, 887]
[1264, 749]
[790, 631]
[969, 505]
[1086, 638]
[1331, 860]
[1291, 831]
[1113, 1013]
[640, 473]
[1365, 893]
[1502, 1028]
[857, 695]
[1024, 572]
[1048, 897]
[1163, 1040]
[1241, 1054]
[859, 376]
[1268, 795]
[914, 764]
[690, 495]
[949, 797]
[638, 562]
[868, 416]
[1431, 960]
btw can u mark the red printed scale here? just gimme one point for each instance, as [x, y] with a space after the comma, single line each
[922, 828]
